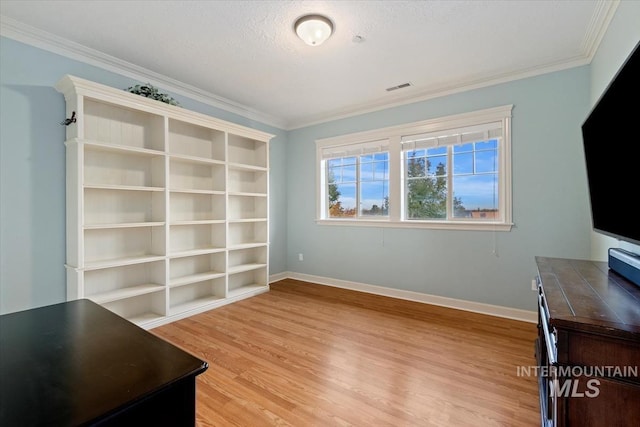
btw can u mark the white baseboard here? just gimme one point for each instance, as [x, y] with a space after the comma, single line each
[475, 307]
[279, 276]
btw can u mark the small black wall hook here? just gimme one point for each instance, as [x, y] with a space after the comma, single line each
[67, 122]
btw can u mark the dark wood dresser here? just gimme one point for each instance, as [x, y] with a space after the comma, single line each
[588, 345]
[78, 364]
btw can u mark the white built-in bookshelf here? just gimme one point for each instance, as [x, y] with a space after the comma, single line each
[167, 209]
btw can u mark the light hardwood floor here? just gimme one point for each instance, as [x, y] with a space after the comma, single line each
[312, 355]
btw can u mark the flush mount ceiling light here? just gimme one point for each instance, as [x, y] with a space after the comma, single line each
[313, 29]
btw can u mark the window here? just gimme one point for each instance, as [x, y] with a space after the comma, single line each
[452, 172]
[356, 180]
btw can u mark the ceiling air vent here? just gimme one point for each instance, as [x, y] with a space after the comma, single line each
[401, 86]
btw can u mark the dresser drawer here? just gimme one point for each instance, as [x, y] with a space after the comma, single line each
[602, 352]
[616, 402]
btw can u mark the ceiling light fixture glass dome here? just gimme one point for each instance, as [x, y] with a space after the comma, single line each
[313, 29]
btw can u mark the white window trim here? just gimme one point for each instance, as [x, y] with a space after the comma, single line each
[396, 192]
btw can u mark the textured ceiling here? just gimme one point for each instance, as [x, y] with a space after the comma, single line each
[245, 55]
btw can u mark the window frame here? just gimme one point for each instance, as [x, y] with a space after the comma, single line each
[358, 182]
[350, 149]
[397, 175]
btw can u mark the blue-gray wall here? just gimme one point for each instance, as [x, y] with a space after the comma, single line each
[550, 199]
[32, 173]
[550, 203]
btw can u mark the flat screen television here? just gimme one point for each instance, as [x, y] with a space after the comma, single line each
[611, 137]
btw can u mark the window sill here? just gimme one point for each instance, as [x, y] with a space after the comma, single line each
[433, 225]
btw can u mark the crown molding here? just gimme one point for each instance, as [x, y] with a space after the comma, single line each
[598, 25]
[27, 34]
[461, 86]
[603, 14]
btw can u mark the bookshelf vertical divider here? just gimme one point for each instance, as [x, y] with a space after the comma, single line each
[167, 209]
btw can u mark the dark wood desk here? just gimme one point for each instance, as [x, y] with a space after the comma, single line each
[77, 364]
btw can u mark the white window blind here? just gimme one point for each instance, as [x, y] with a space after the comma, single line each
[358, 149]
[463, 135]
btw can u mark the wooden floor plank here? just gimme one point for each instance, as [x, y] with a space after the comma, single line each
[312, 355]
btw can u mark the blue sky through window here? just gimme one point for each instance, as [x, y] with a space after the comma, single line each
[475, 174]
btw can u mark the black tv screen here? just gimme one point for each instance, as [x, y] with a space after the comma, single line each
[611, 137]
